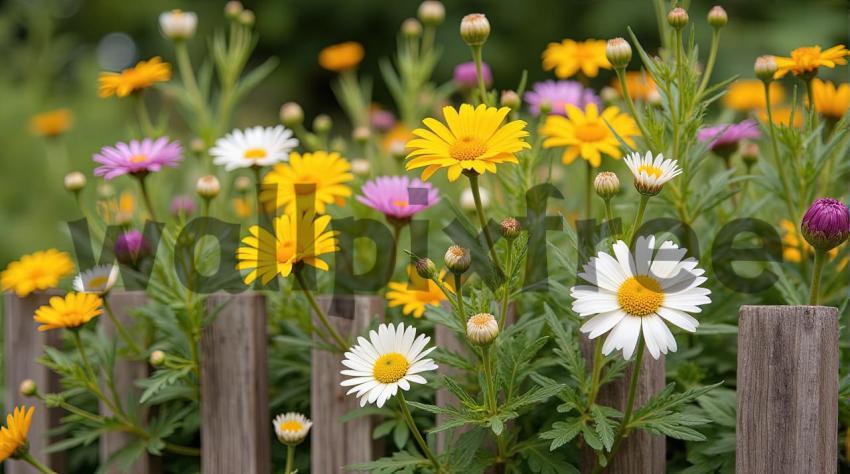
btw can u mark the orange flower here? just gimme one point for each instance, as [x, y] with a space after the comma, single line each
[805, 61]
[137, 78]
[748, 94]
[640, 84]
[52, 123]
[831, 101]
[569, 57]
[341, 57]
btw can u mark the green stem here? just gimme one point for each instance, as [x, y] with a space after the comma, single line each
[459, 295]
[394, 248]
[290, 459]
[596, 372]
[644, 199]
[811, 93]
[482, 89]
[820, 259]
[506, 288]
[340, 342]
[34, 463]
[86, 364]
[187, 75]
[144, 117]
[486, 358]
[416, 434]
[588, 192]
[780, 168]
[479, 209]
[712, 57]
[146, 195]
[184, 450]
[122, 331]
[609, 216]
[621, 77]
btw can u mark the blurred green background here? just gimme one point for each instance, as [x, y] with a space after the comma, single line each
[52, 51]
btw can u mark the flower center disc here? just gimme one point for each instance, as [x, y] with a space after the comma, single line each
[591, 132]
[390, 368]
[255, 154]
[480, 321]
[650, 170]
[291, 425]
[400, 203]
[467, 148]
[285, 252]
[97, 282]
[640, 295]
[138, 158]
[806, 58]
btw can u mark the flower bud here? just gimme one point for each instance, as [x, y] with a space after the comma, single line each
[750, 154]
[182, 205]
[208, 187]
[425, 268]
[677, 18]
[717, 17]
[242, 184]
[28, 388]
[197, 145]
[75, 181]
[322, 124]
[457, 259]
[361, 134]
[178, 25]
[826, 224]
[247, 18]
[338, 145]
[360, 166]
[411, 28]
[474, 29]
[105, 190]
[510, 99]
[431, 12]
[609, 95]
[232, 9]
[545, 107]
[482, 329]
[398, 149]
[291, 114]
[157, 358]
[765, 68]
[606, 184]
[619, 52]
[510, 228]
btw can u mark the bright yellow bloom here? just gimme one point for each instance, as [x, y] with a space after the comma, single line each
[72, 311]
[748, 94]
[139, 77]
[640, 84]
[587, 133]
[38, 271]
[414, 296]
[320, 175]
[52, 123]
[806, 60]
[242, 207]
[474, 141]
[13, 436]
[831, 101]
[569, 57]
[341, 57]
[793, 246]
[295, 241]
[782, 116]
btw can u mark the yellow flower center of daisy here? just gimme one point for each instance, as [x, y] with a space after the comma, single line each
[291, 425]
[640, 295]
[467, 148]
[305, 185]
[255, 154]
[390, 368]
[400, 203]
[807, 58]
[480, 320]
[591, 132]
[97, 282]
[138, 158]
[650, 170]
[285, 252]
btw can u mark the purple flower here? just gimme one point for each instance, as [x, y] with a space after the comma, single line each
[182, 205]
[558, 94]
[398, 197]
[466, 77]
[826, 224]
[728, 136]
[129, 246]
[381, 120]
[137, 157]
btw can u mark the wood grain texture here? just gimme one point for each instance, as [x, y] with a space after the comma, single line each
[337, 444]
[235, 433]
[23, 345]
[787, 389]
[126, 373]
[641, 452]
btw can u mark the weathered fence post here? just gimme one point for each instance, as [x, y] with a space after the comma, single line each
[235, 434]
[337, 444]
[23, 345]
[641, 452]
[787, 389]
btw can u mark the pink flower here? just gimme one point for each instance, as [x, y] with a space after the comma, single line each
[466, 77]
[137, 157]
[182, 205]
[398, 197]
[726, 136]
[558, 94]
[826, 224]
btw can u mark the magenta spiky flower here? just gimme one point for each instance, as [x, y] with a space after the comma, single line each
[726, 137]
[466, 77]
[826, 224]
[558, 94]
[137, 157]
[398, 197]
[130, 245]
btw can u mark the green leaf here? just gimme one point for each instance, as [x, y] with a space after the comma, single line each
[591, 438]
[563, 432]
[604, 426]
[401, 461]
[542, 462]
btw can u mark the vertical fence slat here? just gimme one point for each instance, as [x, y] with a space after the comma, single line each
[23, 345]
[337, 444]
[235, 434]
[641, 452]
[787, 389]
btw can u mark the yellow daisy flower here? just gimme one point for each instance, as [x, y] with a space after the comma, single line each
[320, 174]
[341, 57]
[13, 436]
[52, 123]
[416, 294]
[474, 141]
[806, 60]
[831, 101]
[748, 94]
[38, 271]
[72, 311]
[587, 133]
[782, 116]
[139, 77]
[242, 207]
[268, 255]
[569, 57]
[640, 84]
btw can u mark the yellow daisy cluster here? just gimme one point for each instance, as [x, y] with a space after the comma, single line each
[570, 57]
[831, 101]
[71, 311]
[38, 271]
[320, 177]
[806, 61]
[587, 133]
[416, 294]
[13, 436]
[134, 79]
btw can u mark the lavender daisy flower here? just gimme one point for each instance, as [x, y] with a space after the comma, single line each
[725, 138]
[182, 205]
[398, 197]
[826, 224]
[466, 77]
[381, 120]
[137, 157]
[558, 94]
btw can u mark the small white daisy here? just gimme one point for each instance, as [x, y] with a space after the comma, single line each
[291, 428]
[98, 279]
[257, 146]
[391, 358]
[637, 293]
[651, 174]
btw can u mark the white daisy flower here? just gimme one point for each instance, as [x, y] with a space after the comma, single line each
[257, 146]
[651, 174]
[291, 428]
[637, 293]
[178, 25]
[98, 279]
[391, 358]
